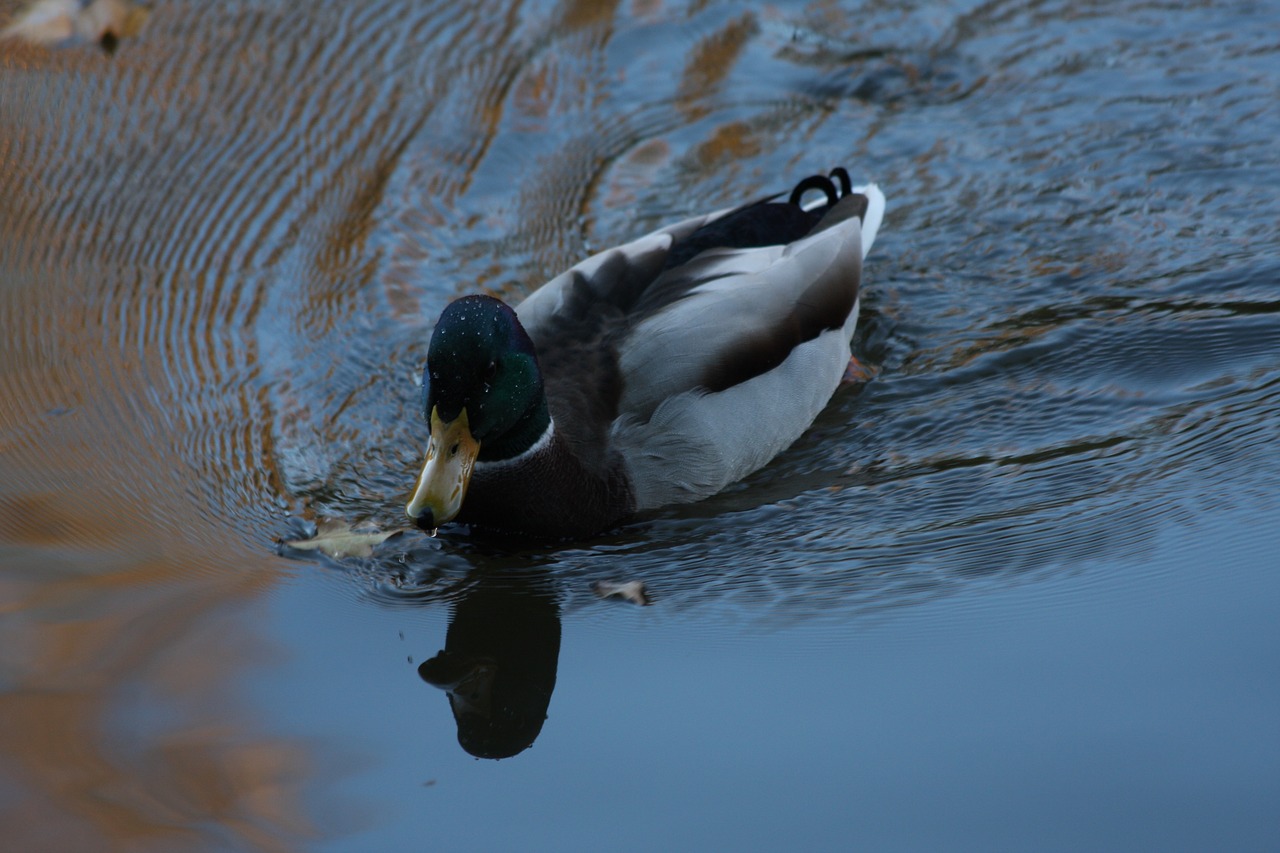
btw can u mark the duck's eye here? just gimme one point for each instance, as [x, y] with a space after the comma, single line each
[491, 371]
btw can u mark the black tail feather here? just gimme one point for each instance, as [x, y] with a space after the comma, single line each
[842, 177]
[768, 222]
[814, 182]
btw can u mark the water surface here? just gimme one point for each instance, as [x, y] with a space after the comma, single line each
[1017, 592]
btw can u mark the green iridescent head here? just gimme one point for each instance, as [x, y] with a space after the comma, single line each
[482, 396]
[482, 361]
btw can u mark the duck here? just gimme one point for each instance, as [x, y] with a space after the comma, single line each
[654, 373]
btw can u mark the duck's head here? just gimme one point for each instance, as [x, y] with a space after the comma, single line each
[482, 395]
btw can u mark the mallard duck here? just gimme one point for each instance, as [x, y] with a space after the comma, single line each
[654, 373]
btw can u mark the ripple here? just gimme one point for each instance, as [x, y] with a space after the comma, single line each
[192, 200]
[1071, 309]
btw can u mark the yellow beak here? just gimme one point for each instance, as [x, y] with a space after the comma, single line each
[451, 454]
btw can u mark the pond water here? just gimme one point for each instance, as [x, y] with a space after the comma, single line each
[1019, 591]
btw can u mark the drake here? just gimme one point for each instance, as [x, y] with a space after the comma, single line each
[653, 373]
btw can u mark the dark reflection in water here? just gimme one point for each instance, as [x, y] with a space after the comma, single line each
[498, 664]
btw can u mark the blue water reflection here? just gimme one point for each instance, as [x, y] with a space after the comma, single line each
[1092, 710]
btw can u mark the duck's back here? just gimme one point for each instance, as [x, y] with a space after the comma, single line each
[695, 354]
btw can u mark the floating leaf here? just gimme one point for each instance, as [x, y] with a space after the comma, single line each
[633, 591]
[857, 373]
[338, 539]
[56, 22]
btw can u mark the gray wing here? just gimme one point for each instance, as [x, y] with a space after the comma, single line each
[739, 313]
[723, 379]
[615, 278]
[574, 321]
[697, 443]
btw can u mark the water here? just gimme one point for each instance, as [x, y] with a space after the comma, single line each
[1017, 592]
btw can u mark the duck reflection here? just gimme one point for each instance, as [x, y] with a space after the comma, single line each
[498, 665]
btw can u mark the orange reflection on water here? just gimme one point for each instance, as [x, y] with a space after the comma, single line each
[99, 643]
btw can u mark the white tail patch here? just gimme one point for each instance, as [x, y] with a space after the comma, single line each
[875, 215]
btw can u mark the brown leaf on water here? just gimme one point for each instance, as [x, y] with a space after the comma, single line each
[338, 539]
[858, 373]
[633, 591]
[59, 22]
